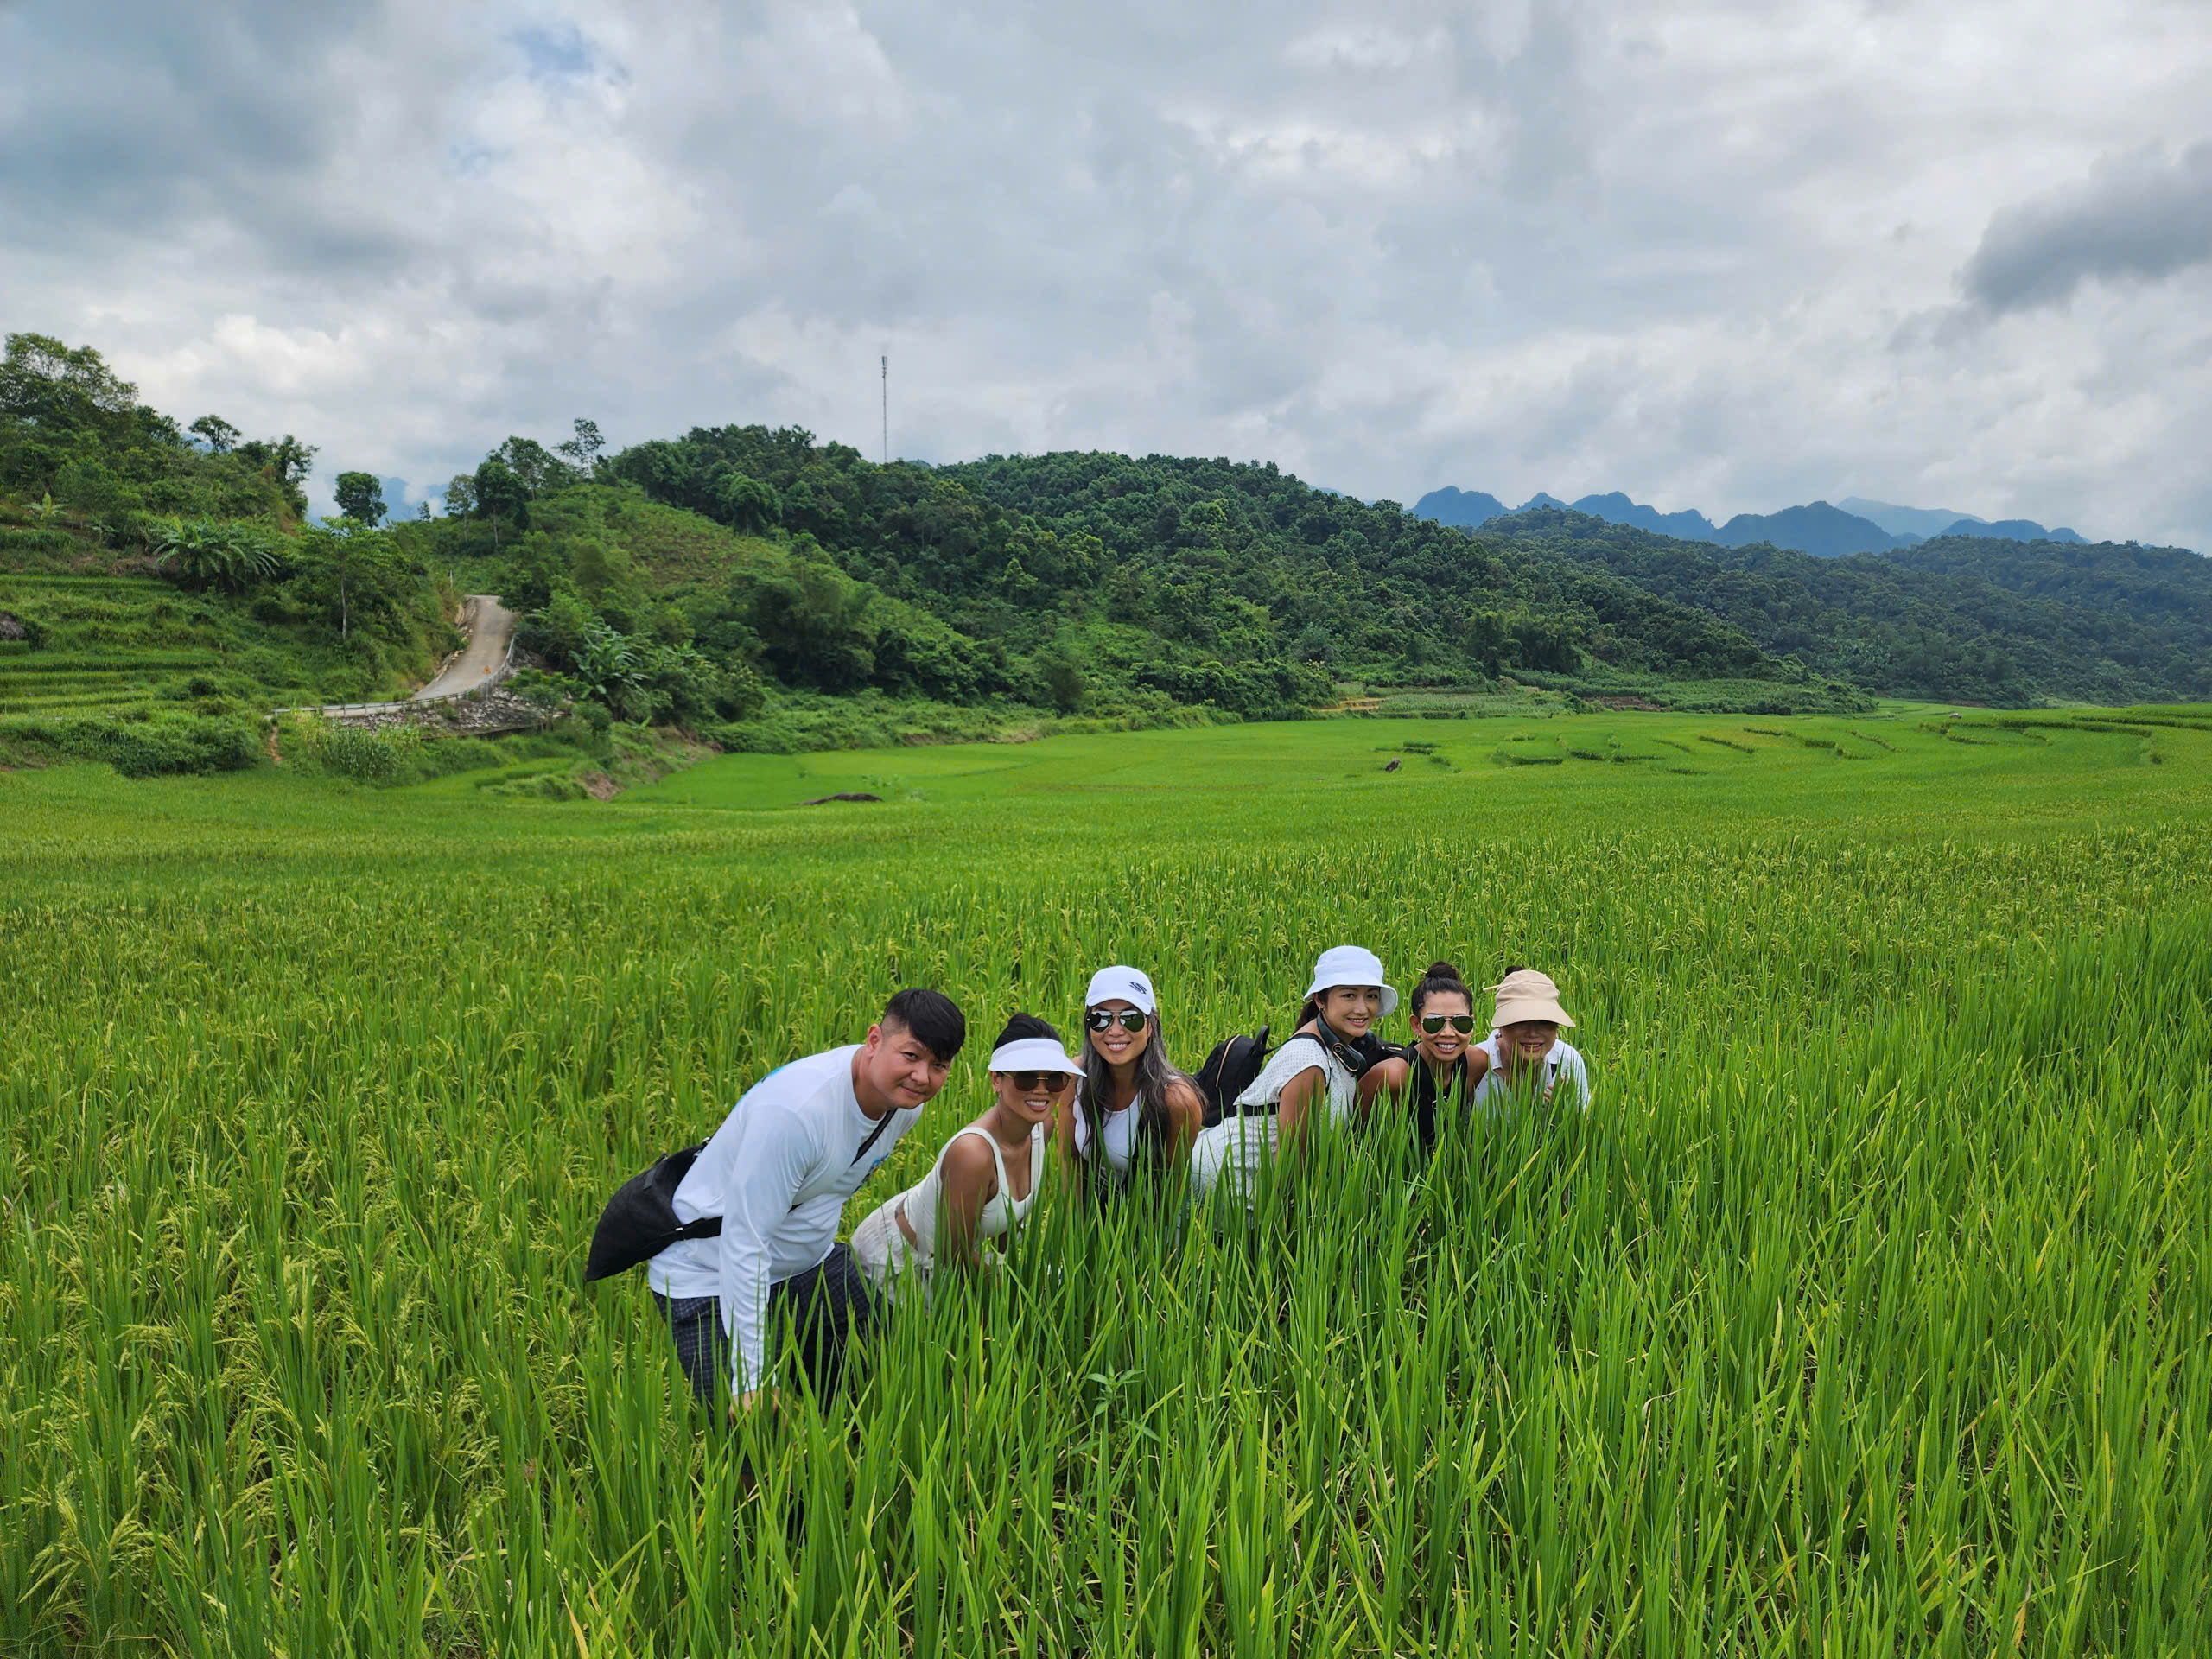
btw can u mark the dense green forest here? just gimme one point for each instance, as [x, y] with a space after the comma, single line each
[1098, 576]
[1964, 618]
[766, 590]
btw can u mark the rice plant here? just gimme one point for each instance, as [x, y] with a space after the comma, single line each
[1867, 1311]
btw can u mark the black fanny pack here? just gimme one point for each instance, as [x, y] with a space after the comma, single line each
[639, 1221]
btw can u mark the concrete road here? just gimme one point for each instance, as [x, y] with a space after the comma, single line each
[490, 625]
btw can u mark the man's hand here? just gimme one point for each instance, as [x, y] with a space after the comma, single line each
[742, 1406]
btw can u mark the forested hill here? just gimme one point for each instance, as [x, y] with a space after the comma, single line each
[1959, 616]
[1170, 570]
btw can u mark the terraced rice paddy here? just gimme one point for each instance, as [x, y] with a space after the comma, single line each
[1866, 1312]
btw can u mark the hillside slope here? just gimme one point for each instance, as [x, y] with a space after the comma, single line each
[1964, 618]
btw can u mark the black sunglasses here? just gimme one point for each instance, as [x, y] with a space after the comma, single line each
[1129, 1019]
[1462, 1023]
[1050, 1082]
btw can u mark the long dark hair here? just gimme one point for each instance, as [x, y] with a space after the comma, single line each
[1156, 1073]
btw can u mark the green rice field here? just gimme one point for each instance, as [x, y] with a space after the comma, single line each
[1866, 1312]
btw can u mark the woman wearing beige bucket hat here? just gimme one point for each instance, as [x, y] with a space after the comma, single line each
[1524, 1050]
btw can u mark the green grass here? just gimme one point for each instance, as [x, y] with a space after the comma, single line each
[119, 643]
[1866, 1312]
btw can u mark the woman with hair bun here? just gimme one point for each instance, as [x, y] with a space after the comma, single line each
[1135, 1109]
[1444, 1065]
[984, 1182]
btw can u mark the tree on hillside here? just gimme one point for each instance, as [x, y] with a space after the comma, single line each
[746, 502]
[219, 436]
[360, 497]
[62, 387]
[351, 566]
[501, 495]
[285, 459]
[583, 450]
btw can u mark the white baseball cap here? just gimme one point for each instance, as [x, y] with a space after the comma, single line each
[1348, 964]
[1119, 984]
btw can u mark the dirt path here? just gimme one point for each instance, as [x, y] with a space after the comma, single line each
[491, 629]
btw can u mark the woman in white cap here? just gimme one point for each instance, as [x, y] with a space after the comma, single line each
[1330, 1068]
[1525, 1053]
[1134, 1109]
[984, 1182]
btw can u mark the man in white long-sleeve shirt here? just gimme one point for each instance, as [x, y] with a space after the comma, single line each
[796, 1146]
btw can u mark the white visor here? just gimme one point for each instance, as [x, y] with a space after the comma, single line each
[1033, 1054]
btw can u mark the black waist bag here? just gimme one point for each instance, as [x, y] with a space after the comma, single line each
[639, 1221]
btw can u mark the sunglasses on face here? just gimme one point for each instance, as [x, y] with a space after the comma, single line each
[1050, 1082]
[1462, 1023]
[1127, 1019]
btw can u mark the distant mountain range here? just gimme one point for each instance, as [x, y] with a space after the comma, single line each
[1826, 532]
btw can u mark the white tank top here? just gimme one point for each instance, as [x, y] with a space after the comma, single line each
[1118, 1138]
[920, 1203]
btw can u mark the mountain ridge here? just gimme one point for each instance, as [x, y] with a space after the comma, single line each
[1820, 528]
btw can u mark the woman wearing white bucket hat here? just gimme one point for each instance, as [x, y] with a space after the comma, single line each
[969, 1194]
[1134, 1109]
[1526, 1054]
[1330, 1067]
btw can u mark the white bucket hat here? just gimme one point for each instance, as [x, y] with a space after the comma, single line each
[1033, 1054]
[1347, 964]
[1524, 994]
[1121, 984]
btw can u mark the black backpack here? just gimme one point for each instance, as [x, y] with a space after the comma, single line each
[1228, 1072]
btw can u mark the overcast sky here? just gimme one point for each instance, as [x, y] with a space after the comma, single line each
[1728, 257]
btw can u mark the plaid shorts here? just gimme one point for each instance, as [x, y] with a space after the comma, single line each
[828, 1307]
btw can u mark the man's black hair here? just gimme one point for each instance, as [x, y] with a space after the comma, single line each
[1023, 1026]
[934, 1018]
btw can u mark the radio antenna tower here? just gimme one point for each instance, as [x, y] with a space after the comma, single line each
[887, 409]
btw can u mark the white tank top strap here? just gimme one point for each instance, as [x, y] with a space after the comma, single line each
[998, 1158]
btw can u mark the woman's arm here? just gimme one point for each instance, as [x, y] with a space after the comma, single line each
[1063, 1111]
[1304, 1092]
[1390, 1075]
[1186, 1109]
[967, 1181]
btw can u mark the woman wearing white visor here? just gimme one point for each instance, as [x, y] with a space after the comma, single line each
[1329, 1067]
[984, 1182]
[1135, 1109]
[1526, 1055]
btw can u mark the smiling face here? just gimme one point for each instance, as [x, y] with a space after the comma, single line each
[1352, 1010]
[1117, 1045]
[1526, 1040]
[1032, 1105]
[897, 1071]
[1444, 1047]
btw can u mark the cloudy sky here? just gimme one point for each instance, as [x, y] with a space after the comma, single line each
[1729, 257]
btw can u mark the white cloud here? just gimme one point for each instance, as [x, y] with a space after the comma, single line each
[1695, 251]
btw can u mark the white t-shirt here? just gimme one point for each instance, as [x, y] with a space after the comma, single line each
[778, 1172]
[1567, 1080]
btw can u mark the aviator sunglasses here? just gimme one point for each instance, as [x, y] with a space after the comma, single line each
[1102, 1019]
[1462, 1023]
[1050, 1082]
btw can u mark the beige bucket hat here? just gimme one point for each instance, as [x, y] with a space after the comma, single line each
[1524, 994]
